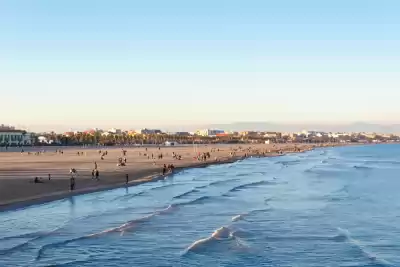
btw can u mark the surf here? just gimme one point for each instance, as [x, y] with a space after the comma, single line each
[222, 234]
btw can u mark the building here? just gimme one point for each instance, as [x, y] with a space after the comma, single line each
[150, 131]
[272, 135]
[250, 134]
[115, 131]
[5, 127]
[14, 137]
[180, 133]
[44, 140]
[209, 132]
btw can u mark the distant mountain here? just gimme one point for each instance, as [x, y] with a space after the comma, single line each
[246, 126]
[268, 126]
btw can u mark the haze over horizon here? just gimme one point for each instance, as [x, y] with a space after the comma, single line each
[233, 126]
[83, 64]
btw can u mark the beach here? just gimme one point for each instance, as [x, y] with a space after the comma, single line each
[18, 170]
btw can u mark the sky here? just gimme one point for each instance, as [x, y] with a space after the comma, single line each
[94, 63]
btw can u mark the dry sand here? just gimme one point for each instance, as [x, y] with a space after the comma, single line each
[17, 170]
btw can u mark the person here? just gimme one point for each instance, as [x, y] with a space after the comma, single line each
[72, 183]
[49, 176]
[164, 169]
[37, 180]
[127, 178]
[92, 174]
[95, 165]
[97, 174]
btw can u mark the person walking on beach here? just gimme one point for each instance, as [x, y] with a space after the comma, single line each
[92, 174]
[49, 176]
[97, 175]
[95, 165]
[164, 169]
[126, 179]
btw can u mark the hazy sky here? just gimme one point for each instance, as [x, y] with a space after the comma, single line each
[144, 63]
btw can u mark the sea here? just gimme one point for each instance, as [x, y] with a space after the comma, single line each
[326, 207]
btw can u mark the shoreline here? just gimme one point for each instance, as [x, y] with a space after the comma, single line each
[147, 177]
[43, 199]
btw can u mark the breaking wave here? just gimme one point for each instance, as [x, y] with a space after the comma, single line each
[345, 236]
[222, 234]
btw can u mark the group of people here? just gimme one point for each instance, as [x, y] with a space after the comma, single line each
[176, 156]
[103, 154]
[203, 156]
[168, 169]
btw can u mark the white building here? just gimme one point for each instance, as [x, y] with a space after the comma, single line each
[44, 140]
[209, 132]
[15, 137]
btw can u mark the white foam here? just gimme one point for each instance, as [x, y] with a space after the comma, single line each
[238, 217]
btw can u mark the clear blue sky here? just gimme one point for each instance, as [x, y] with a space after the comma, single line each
[144, 63]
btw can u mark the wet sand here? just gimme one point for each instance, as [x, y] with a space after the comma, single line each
[17, 170]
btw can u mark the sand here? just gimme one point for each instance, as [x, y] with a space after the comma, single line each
[17, 170]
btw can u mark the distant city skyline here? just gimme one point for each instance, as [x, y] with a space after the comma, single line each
[81, 64]
[234, 126]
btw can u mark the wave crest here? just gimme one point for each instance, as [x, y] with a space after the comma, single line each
[253, 184]
[186, 193]
[219, 235]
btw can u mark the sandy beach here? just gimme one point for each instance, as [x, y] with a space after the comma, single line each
[18, 170]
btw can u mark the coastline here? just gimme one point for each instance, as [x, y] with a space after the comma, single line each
[146, 176]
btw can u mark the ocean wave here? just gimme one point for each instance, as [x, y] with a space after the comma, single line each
[186, 193]
[392, 162]
[119, 229]
[361, 167]
[345, 236]
[33, 237]
[239, 217]
[253, 184]
[224, 181]
[242, 174]
[220, 235]
[288, 162]
[162, 187]
[27, 235]
[199, 200]
[202, 186]
[244, 215]
[89, 259]
[130, 196]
